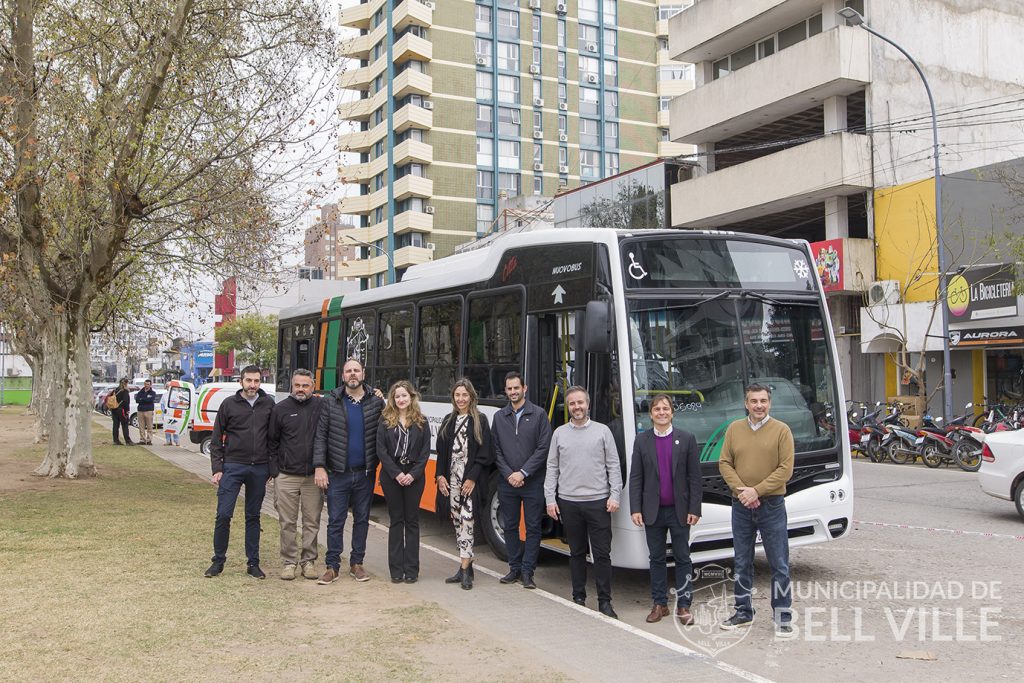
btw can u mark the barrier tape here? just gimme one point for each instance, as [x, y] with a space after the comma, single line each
[955, 532]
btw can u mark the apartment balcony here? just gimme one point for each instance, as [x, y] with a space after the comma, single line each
[356, 204]
[661, 27]
[413, 221]
[675, 149]
[361, 109]
[675, 88]
[359, 16]
[710, 29]
[355, 173]
[411, 116]
[357, 79]
[413, 186]
[360, 140]
[412, 13]
[838, 164]
[413, 151]
[412, 47]
[663, 118]
[411, 256]
[411, 82]
[359, 47]
[835, 62]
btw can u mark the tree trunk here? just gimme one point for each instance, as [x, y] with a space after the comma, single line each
[67, 405]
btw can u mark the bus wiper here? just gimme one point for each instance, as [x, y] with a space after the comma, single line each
[706, 300]
[750, 294]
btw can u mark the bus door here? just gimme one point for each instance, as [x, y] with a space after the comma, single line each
[551, 371]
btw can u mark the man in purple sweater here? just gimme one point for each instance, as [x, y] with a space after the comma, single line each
[665, 497]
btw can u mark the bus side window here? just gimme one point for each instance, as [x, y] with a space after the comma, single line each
[437, 351]
[394, 348]
[494, 344]
[358, 342]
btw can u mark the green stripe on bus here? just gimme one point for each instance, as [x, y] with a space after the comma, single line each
[712, 450]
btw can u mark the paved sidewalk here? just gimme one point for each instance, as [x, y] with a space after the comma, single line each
[578, 641]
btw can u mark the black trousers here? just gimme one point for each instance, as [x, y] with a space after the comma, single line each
[120, 418]
[588, 525]
[404, 532]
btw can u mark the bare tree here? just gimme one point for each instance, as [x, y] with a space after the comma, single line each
[141, 141]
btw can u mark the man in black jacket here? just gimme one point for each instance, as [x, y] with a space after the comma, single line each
[345, 458]
[239, 455]
[292, 427]
[520, 436]
[145, 405]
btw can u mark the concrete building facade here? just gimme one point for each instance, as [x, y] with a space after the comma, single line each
[810, 128]
[327, 246]
[462, 104]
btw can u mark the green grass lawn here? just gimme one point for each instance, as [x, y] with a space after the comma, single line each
[102, 578]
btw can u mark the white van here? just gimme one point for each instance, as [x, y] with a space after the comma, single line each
[196, 409]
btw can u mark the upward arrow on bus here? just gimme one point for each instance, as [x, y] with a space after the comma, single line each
[558, 293]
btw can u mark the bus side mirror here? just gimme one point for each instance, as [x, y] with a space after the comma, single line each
[597, 328]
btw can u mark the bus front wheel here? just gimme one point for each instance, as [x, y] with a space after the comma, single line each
[493, 532]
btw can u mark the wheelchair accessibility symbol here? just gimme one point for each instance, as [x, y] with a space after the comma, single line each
[636, 271]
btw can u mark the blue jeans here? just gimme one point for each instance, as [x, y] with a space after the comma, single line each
[522, 557]
[770, 520]
[668, 523]
[355, 488]
[234, 475]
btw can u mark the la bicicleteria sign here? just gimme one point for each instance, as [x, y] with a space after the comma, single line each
[982, 293]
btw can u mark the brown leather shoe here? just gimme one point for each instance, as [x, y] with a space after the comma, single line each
[658, 612]
[357, 572]
[684, 616]
[330, 576]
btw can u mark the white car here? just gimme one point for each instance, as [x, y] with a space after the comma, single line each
[1002, 467]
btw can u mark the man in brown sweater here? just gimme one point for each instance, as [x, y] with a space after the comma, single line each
[756, 463]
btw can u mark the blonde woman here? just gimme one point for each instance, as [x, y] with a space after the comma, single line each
[463, 460]
[403, 446]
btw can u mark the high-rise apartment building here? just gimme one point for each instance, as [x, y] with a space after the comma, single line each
[463, 103]
[328, 248]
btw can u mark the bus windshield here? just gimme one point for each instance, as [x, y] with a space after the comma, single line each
[703, 352]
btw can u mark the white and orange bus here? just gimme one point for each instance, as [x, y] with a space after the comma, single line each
[696, 315]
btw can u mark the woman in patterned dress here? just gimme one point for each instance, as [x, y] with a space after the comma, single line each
[464, 459]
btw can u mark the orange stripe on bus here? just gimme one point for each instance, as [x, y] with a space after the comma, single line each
[323, 344]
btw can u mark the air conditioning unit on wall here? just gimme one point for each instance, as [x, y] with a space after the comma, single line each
[884, 292]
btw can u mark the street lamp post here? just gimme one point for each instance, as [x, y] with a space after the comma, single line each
[382, 252]
[855, 18]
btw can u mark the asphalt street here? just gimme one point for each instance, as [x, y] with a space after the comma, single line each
[928, 583]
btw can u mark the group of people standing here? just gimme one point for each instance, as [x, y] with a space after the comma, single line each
[145, 400]
[331, 448]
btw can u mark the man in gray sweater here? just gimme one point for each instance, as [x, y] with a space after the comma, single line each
[583, 467]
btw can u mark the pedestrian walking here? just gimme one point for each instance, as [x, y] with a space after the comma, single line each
[521, 434]
[239, 456]
[582, 488]
[119, 411]
[464, 458]
[665, 497]
[290, 439]
[145, 405]
[345, 462]
[403, 446]
[756, 462]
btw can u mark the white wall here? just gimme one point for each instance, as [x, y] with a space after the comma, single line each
[971, 52]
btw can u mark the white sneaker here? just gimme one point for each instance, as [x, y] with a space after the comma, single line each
[288, 572]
